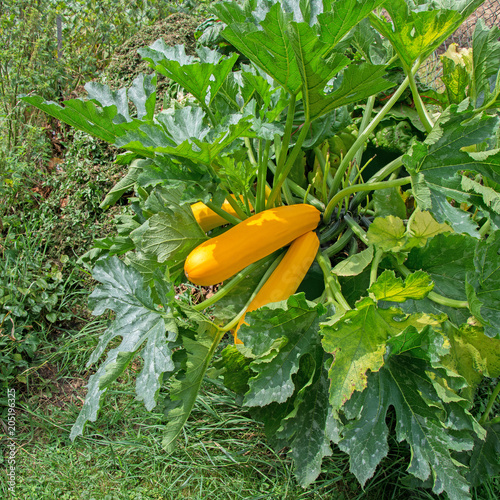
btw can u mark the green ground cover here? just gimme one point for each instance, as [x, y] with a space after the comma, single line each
[52, 181]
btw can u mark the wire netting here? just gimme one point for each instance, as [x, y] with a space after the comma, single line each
[431, 71]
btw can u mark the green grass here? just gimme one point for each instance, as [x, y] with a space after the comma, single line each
[222, 453]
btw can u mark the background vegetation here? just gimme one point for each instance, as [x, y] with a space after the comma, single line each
[51, 183]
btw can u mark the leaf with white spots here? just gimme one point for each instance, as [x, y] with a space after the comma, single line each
[405, 383]
[278, 335]
[139, 323]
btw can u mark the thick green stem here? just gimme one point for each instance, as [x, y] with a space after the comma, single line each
[238, 278]
[249, 147]
[325, 166]
[363, 136]
[419, 105]
[357, 188]
[300, 191]
[229, 217]
[435, 297]
[381, 174]
[483, 231]
[287, 134]
[374, 267]
[264, 278]
[261, 179]
[281, 175]
[367, 114]
[340, 244]
[357, 229]
[332, 287]
[490, 404]
[237, 208]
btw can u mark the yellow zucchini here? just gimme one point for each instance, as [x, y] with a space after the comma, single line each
[207, 218]
[287, 276]
[219, 258]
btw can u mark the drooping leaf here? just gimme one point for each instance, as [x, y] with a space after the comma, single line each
[357, 342]
[101, 120]
[354, 264]
[137, 321]
[199, 349]
[387, 287]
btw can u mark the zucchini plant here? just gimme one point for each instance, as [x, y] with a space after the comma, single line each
[396, 317]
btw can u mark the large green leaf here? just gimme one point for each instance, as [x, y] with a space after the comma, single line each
[306, 431]
[357, 342]
[278, 335]
[404, 383]
[138, 321]
[317, 65]
[418, 31]
[202, 77]
[341, 16]
[484, 457]
[199, 346]
[486, 61]
[446, 258]
[437, 165]
[472, 354]
[202, 147]
[483, 284]
[170, 234]
[106, 116]
[265, 43]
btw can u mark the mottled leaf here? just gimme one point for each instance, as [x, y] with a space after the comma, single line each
[483, 284]
[137, 321]
[278, 335]
[357, 342]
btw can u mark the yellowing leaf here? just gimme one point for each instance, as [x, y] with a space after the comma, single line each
[423, 227]
[388, 287]
[387, 233]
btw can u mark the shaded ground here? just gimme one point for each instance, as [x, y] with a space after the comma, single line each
[126, 64]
